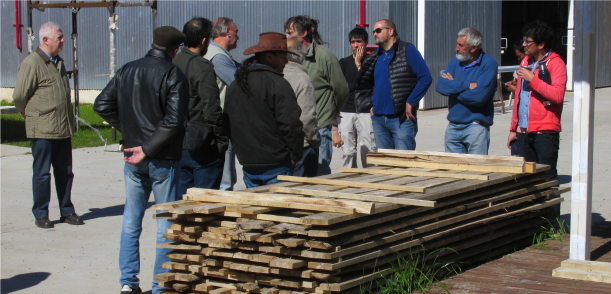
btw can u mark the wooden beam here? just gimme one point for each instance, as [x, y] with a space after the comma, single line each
[447, 166]
[359, 206]
[413, 173]
[363, 197]
[352, 184]
[458, 155]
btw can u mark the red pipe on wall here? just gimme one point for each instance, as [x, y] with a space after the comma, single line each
[17, 25]
[362, 25]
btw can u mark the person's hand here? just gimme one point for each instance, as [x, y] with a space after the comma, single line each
[511, 86]
[360, 52]
[137, 155]
[447, 75]
[22, 115]
[472, 85]
[512, 137]
[371, 111]
[408, 112]
[526, 74]
[337, 139]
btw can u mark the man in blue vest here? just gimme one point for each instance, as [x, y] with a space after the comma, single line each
[470, 81]
[391, 82]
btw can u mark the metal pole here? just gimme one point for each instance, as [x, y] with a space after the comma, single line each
[583, 129]
[155, 21]
[113, 52]
[75, 69]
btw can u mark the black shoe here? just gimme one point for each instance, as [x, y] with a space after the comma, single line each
[43, 222]
[72, 219]
[128, 290]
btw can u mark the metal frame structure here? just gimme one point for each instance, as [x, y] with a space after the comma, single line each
[76, 7]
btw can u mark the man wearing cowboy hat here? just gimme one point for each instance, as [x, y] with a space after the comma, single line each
[264, 115]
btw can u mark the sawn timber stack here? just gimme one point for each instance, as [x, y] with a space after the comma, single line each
[334, 233]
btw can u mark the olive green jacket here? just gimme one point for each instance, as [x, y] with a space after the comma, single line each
[329, 83]
[42, 93]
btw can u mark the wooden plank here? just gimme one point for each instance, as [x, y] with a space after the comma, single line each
[292, 242]
[287, 263]
[359, 206]
[175, 204]
[314, 207]
[447, 154]
[351, 184]
[363, 197]
[447, 166]
[413, 173]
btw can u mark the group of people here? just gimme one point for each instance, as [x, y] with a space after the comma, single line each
[186, 112]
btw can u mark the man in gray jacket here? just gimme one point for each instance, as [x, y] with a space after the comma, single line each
[42, 96]
[300, 81]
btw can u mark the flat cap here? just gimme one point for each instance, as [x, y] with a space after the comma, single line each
[168, 36]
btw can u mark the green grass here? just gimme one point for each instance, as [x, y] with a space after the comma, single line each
[13, 130]
[6, 103]
[551, 232]
[418, 271]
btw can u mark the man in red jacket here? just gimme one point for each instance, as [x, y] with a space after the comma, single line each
[539, 95]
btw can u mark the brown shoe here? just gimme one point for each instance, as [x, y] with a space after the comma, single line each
[43, 222]
[72, 219]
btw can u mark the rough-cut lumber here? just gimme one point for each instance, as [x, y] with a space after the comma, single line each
[448, 154]
[448, 166]
[363, 197]
[351, 184]
[413, 173]
[175, 204]
[271, 203]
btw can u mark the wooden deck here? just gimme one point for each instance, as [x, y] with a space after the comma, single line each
[530, 270]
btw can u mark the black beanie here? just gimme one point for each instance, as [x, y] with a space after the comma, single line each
[168, 36]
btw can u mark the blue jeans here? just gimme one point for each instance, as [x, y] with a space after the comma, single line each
[200, 170]
[161, 177]
[230, 177]
[467, 138]
[261, 176]
[56, 153]
[325, 151]
[307, 166]
[394, 132]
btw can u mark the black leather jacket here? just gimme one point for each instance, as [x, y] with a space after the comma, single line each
[147, 101]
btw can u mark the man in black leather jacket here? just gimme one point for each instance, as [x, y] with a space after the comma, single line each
[147, 101]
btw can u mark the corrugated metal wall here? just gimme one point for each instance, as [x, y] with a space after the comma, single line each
[443, 21]
[603, 39]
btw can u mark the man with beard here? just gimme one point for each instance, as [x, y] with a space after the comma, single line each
[202, 156]
[470, 82]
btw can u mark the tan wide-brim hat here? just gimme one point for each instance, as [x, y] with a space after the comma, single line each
[269, 41]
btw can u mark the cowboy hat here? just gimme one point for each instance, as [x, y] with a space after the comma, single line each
[269, 41]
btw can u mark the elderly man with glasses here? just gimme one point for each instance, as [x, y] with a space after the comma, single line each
[391, 82]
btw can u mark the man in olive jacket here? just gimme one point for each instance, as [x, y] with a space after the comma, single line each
[329, 83]
[264, 115]
[42, 96]
[201, 168]
[147, 101]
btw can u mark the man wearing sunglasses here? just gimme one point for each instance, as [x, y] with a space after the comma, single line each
[391, 82]
[539, 96]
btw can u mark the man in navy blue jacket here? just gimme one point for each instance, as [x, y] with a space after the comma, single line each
[470, 81]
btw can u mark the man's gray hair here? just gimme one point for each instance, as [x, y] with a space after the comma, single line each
[474, 37]
[220, 27]
[46, 30]
[296, 47]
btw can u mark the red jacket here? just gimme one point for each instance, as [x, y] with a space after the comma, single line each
[540, 116]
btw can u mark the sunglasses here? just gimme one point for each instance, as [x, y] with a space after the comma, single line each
[379, 30]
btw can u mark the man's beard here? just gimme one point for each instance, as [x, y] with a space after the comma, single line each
[463, 56]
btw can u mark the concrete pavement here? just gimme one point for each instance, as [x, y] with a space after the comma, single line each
[84, 259]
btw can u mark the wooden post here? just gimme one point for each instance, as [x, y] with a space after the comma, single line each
[583, 129]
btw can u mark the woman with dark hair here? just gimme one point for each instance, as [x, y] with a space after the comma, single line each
[264, 115]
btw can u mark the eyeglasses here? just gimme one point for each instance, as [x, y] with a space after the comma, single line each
[379, 30]
[524, 40]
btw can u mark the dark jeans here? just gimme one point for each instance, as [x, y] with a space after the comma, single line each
[255, 176]
[307, 166]
[200, 170]
[56, 153]
[540, 148]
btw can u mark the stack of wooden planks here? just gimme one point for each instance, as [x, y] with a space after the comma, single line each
[337, 232]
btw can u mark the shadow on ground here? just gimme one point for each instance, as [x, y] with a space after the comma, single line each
[22, 281]
[601, 229]
[116, 210]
